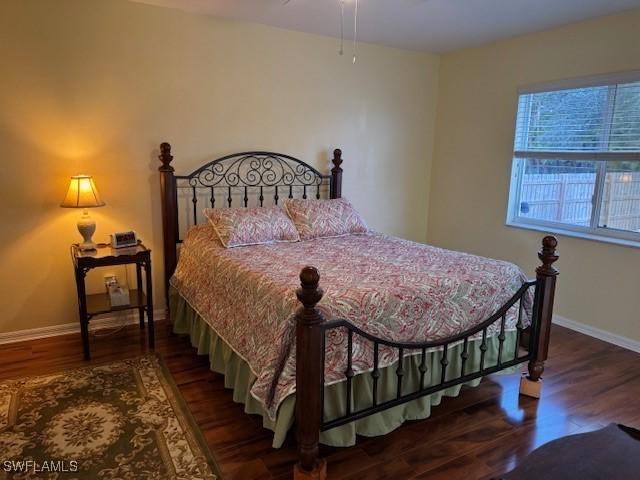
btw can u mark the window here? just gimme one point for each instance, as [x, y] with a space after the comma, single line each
[576, 162]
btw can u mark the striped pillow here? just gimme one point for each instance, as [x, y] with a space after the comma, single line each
[238, 227]
[324, 218]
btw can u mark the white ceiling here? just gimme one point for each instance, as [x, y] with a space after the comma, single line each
[428, 25]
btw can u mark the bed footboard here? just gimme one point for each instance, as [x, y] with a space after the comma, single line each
[311, 329]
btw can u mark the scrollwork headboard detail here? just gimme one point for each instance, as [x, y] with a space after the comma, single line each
[242, 179]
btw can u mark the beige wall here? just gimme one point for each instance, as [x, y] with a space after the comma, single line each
[95, 86]
[477, 103]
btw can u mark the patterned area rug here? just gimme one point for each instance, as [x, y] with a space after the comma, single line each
[122, 420]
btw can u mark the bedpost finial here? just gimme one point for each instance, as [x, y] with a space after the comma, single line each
[309, 292]
[309, 277]
[549, 242]
[548, 256]
[165, 157]
[337, 160]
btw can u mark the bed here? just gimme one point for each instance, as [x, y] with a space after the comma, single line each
[398, 325]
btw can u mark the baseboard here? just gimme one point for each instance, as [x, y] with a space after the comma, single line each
[128, 318]
[159, 314]
[594, 332]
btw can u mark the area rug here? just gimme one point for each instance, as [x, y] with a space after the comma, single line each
[121, 420]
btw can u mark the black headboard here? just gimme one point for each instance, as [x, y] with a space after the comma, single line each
[244, 179]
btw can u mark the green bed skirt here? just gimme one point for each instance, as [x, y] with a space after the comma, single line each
[238, 376]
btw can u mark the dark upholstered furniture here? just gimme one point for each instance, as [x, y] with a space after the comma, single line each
[612, 453]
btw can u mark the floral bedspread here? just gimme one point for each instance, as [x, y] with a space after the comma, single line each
[388, 287]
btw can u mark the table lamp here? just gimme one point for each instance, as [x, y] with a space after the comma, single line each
[83, 193]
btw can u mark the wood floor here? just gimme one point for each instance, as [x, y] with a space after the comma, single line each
[482, 433]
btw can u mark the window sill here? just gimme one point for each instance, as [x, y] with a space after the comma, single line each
[571, 233]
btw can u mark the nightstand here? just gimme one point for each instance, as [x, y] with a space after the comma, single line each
[98, 304]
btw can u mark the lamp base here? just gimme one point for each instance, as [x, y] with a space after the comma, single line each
[86, 227]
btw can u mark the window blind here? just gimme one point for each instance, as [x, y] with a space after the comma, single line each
[603, 118]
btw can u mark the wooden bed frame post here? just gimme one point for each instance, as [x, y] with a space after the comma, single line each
[309, 365]
[169, 214]
[531, 385]
[336, 175]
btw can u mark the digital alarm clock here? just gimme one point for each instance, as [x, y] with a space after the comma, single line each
[124, 239]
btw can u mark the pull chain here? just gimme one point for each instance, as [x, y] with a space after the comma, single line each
[341, 52]
[355, 28]
[355, 31]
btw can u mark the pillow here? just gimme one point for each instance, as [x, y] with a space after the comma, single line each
[324, 218]
[238, 227]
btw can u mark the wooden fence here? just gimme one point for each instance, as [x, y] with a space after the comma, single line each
[567, 198]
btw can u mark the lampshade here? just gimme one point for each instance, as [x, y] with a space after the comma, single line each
[82, 193]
